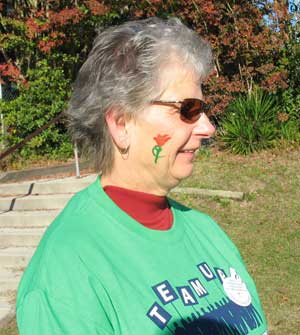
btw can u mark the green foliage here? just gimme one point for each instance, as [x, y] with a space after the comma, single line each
[250, 123]
[290, 131]
[250, 196]
[204, 152]
[289, 117]
[293, 65]
[40, 101]
[62, 32]
[223, 202]
[290, 102]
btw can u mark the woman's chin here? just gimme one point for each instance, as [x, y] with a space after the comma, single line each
[182, 172]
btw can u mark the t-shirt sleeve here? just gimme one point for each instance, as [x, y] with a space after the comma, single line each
[40, 314]
[60, 294]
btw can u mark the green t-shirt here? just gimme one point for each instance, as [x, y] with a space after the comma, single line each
[98, 271]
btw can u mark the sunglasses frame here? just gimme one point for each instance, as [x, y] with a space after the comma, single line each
[203, 108]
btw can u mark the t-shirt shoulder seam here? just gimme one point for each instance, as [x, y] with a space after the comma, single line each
[39, 290]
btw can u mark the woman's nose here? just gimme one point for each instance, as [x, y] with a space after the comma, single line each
[203, 127]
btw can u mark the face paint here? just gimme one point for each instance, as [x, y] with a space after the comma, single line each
[156, 150]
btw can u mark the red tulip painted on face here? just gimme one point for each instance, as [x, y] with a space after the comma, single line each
[160, 140]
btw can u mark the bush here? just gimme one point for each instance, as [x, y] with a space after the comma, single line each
[39, 102]
[290, 131]
[250, 123]
[289, 116]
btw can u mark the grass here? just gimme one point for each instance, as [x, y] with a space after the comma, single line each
[31, 163]
[265, 225]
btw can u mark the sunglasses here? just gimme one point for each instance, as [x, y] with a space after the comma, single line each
[190, 109]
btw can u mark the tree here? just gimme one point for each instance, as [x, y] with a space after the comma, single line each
[59, 31]
[252, 40]
[247, 49]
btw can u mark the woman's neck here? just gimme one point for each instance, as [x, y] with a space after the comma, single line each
[127, 181]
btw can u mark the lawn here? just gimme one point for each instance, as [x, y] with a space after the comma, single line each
[265, 225]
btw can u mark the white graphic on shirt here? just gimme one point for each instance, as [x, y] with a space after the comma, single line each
[236, 290]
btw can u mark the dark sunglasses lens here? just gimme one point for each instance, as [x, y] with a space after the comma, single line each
[191, 109]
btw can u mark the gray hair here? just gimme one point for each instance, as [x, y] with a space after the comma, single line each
[122, 71]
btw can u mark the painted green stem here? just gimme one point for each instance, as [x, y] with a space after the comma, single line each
[156, 150]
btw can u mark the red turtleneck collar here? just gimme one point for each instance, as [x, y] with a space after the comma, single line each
[152, 211]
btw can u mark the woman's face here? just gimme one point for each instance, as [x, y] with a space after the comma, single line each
[162, 145]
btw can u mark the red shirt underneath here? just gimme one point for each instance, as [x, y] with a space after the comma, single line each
[152, 211]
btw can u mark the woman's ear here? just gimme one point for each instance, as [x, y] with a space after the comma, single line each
[116, 123]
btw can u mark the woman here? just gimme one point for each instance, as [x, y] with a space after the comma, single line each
[122, 258]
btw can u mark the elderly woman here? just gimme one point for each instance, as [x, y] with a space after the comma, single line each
[122, 258]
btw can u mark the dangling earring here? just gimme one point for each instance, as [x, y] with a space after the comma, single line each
[124, 151]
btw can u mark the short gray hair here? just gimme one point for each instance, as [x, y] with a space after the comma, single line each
[122, 71]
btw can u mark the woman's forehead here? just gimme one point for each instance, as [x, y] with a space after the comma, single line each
[175, 73]
[180, 79]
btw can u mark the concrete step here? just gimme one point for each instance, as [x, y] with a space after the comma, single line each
[34, 202]
[9, 289]
[8, 286]
[15, 258]
[27, 219]
[65, 185]
[46, 172]
[20, 237]
[7, 311]
[26, 210]
[9, 280]
[8, 296]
